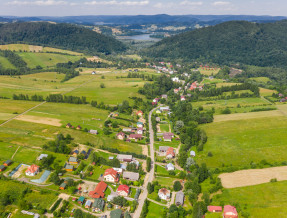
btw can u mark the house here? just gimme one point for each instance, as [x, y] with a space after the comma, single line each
[116, 114]
[176, 91]
[140, 113]
[7, 163]
[2, 168]
[73, 160]
[32, 170]
[131, 176]
[163, 149]
[182, 98]
[119, 170]
[78, 127]
[192, 153]
[158, 111]
[69, 125]
[116, 213]
[179, 198]
[124, 157]
[139, 131]
[69, 168]
[63, 186]
[83, 152]
[214, 209]
[164, 96]
[76, 152]
[140, 124]
[88, 204]
[135, 136]
[175, 79]
[111, 175]
[123, 190]
[93, 73]
[167, 138]
[121, 136]
[230, 212]
[164, 108]
[127, 129]
[170, 153]
[164, 194]
[169, 134]
[81, 200]
[155, 101]
[157, 119]
[170, 167]
[98, 205]
[42, 156]
[94, 132]
[99, 191]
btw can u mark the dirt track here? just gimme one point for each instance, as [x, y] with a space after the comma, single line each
[253, 177]
[41, 120]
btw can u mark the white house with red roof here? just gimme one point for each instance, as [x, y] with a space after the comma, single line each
[182, 98]
[176, 91]
[214, 209]
[140, 113]
[164, 194]
[170, 153]
[123, 190]
[32, 170]
[121, 136]
[230, 212]
[111, 175]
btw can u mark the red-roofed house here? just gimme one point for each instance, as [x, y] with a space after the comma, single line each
[170, 153]
[123, 190]
[99, 191]
[176, 91]
[32, 170]
[230, 212]
[140, 113]
[182, 98]
[214, 209]
[121, 136]
[136, 136]
[111, 175]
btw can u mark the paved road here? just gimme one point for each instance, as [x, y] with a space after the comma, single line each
[149, 175]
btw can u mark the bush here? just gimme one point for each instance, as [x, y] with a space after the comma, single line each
[273, 180]
[210, 154]
[226, 111]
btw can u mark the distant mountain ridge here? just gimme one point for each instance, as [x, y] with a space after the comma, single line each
[244, 42]
[66, 36]
[151, 19]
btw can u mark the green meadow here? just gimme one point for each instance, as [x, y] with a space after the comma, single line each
[154, 210]
[239, 142]
[5, 63]
[265, 200]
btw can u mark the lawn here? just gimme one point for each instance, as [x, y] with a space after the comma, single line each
[7, 151]
[165, 181]
[260, 79]
[5, 63]
[46, 60]
[164, 127]
[161, 170]
[238, 142]
[174, 143]
[266, 200]
[154, 210]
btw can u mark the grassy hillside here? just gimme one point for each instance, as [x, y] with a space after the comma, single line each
[63, 36]
[236, 41]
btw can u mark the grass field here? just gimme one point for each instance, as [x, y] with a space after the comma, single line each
[267, 92]
[46, 60]
[154, 210]
[266, 200]
[261, 79]
[5, 63]
[239, 142]
[165, 181]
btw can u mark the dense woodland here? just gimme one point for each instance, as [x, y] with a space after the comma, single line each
[64, 36]
[230, 42]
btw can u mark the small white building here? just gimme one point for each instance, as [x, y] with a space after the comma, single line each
[169, 167]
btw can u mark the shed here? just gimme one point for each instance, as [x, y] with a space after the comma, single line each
[179, 198]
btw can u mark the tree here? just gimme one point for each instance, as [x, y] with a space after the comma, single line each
[121, 201]
[177, 186]
[102, 85]
[145, 209]
[148, 164]
[150, 188]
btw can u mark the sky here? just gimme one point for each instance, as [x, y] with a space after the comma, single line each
[136, 7]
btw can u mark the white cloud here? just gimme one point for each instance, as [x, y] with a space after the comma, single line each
[38, 3]
[191, 3]
[113, 2]
[219, 3]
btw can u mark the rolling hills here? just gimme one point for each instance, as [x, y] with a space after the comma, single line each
[230, 42]
[65, 36]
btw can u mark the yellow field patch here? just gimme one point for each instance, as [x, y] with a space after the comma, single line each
[41, 120]
[266, 92]
[246, 116]
[6, 116]
[253, 177]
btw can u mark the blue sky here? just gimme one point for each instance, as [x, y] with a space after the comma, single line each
[135, 7]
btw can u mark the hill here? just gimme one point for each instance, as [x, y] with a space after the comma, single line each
[64, 36]
[262, 44]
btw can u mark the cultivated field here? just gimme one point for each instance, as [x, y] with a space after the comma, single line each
[253, 177]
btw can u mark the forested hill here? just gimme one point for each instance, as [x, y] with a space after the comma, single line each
[235, 41]
[64, 36]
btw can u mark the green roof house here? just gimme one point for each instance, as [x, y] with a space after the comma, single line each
[81, 200]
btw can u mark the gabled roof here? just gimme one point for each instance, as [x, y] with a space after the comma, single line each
[169, 151]
[33, 168]
[121, 134]
[73, 159]
[136, 136]
[179, 198]
[124, 188]
[214, 208]
[81, 199]
[2, 167]
[63, 185]
[69, 167]
[99, 191]
[111, 172]
[230, 209]
[8, 162]
[88, 203]
[131, 175]
[164, 191]
[76, 151]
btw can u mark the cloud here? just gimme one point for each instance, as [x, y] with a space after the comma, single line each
[220, 3]
[38, 3]
[113, 2]
[191, 3]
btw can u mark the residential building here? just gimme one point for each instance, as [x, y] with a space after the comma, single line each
[98, 205]
[140, 124]
[158, 111]
[127, 129]
[163, 149]
[179, 198]
[7, 163]
[2, 168]
[32, 170]
[164, 96]
[182, 98]
[73, 160]
[167, 138]
[69, 125]
[94, 132]
[164, 108]
[192, 153]
[99, 191]
[119, 170]
[69, 168]
[131, 176]
[111, 175]
[157, 119]
[121, 136]
[139, 131]
[123, 190]
[170, 167]
[164, 194]
[75, 152]
[140, 113]
[42, 156]
[79, 127]
[136, 136]
[170, 153]
[214, 209]
[63, 186]
[88, 204]
[124, 157]
[81, 200]
[230, 212]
